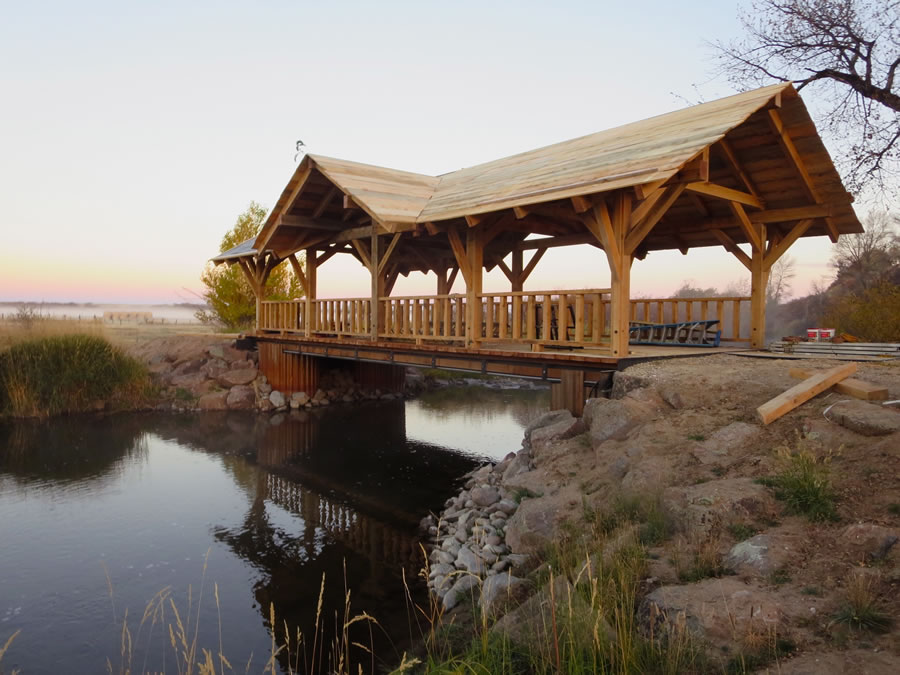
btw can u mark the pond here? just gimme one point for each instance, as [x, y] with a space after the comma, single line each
[114, 528]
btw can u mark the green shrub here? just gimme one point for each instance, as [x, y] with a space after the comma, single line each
[66, 373]
[804, 484]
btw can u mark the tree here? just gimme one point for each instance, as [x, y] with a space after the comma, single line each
[778, 288]
[846, 50]
[869, 258]
[231, 301]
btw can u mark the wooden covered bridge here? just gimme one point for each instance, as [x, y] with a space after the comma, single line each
[748, 173]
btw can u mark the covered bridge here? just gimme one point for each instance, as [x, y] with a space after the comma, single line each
[748, 169]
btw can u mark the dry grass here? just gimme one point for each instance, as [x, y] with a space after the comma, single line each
[589, 587]
[13, 331]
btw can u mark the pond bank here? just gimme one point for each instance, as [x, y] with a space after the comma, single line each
[663, 532]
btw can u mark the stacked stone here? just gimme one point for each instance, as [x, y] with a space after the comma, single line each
[469, 539]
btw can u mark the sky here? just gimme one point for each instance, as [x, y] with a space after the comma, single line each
[133, 134]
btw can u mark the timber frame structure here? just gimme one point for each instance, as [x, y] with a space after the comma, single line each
[747, 170]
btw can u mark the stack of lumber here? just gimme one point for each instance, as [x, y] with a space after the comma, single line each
[814, 383]
[825, 349]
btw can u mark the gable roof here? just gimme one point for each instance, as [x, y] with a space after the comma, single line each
[761, 142]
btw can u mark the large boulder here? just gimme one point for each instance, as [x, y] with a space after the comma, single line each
[241, 397]
[501, 591]
[608, 418]
[868, 419]
[707, 506]
[217, 400]
[532, 527]
[869, 542]
[724, 446]
[715, 610]
[240, 376]
[188, 380]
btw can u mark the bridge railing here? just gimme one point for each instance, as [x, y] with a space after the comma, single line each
[577, 318]
[733, 313]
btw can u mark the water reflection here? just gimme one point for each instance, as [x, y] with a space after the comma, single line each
[282, 500]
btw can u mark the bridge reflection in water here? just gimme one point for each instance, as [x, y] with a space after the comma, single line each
[339, 493]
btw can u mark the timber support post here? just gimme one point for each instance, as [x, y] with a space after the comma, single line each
[475, 256]
[568, 393]
[759, 281]
[312, 265]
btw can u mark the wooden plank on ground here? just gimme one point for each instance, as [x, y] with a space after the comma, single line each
[851, 386]
[801, 393]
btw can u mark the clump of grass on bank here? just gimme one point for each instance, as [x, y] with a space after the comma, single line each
[588, 618]
[804, 483]
[861, 608]
[67, 373]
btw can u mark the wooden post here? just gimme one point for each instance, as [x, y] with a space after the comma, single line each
[620, 272]
[475, 259]
[517, 280]
[311, 269]
[376, 314]
[759, 279]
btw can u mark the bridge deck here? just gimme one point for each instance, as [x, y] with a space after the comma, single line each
[514, 359]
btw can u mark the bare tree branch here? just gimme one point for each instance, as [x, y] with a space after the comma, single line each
[849, 52]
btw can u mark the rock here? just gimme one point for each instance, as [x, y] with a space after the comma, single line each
[214, 368]
[468, 561]
[463, 586]
[870, 542]
[441, 569]
[277, 399]
[752, 553]
[507, 506]
[547, 419]
[611, 418]
[444, 558]
[264, 388]
[624, 383]
[532, 527]
[300, 397]
[532, 622]
[265, 405]
[565, 426]
[241, 376]
[518, 464]
[715, 610]
[217, 400]
[723, 446]
[241, 397]
[500, 591]
[485, 496]
[216, 352]
[188, 380]
[868, 419]
[703, 507]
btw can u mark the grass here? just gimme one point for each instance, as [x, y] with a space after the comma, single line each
[742, 531]
[177, 629]
[67, 373]
[861, 609]
[697, 558]
[893, 509]
[804, 484]
[585, 615]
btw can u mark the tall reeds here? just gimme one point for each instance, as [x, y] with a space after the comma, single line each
[67, 373]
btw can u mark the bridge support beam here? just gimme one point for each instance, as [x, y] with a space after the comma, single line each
[568, 394]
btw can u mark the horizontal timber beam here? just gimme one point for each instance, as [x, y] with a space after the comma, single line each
[722, 192]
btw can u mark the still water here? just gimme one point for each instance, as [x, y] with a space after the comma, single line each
[103, 520]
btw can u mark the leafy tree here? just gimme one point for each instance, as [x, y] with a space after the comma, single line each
[229, 295]
[872, 314]
[848, 51]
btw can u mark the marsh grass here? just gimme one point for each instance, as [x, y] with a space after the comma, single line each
[586, 615]
[5, 647]
[803, 483]
[67, 373]
[171, 631]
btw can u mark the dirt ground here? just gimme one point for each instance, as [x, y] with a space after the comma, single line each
[694, 437]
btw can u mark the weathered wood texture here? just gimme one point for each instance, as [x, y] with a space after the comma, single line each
[288, 372]
[568, 393]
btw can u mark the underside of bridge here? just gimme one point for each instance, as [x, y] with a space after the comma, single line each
[748, 173]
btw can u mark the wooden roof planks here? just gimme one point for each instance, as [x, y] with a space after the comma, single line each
[851, 387]
[797, 395]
